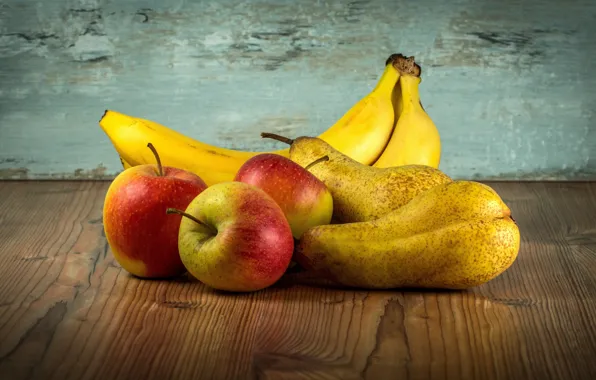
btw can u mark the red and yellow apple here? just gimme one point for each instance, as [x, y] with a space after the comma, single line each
[142, 237]
[304, 199]
[235, 237]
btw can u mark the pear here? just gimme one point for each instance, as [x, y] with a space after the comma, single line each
[454, 236]
[360, 192]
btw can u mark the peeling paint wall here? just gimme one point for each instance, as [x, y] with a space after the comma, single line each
[509, 84]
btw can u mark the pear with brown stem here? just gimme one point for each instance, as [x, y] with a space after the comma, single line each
[361, 192]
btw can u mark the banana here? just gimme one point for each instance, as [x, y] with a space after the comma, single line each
[361, 133]
[125, 164]
[130, 137]
[415, 139]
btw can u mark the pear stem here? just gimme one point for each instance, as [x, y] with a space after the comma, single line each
[277, 137]
[320, 159]
[159, 167]
[171, 210]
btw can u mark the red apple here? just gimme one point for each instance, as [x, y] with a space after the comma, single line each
[142, 237]
[304, 199]
[235, 237]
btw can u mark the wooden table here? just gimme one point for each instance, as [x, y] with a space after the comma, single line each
[67, 310]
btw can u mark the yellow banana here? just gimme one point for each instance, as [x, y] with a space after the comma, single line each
[361, 133]
[415, 138]
[130, 137]
[125, 164]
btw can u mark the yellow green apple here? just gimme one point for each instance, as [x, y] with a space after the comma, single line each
[235, 237]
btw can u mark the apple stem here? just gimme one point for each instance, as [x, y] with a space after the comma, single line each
[159, 167]
[320, 159]
[277, 137]
[171, 210]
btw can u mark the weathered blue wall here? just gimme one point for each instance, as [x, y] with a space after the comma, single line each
[511, 85]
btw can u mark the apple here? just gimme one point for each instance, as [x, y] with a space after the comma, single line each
[142, 237]
[304, 199]
[235, 237]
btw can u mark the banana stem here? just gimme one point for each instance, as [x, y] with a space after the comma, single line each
[394, 57]
[159, 167]
[277, 137]
[320, 159]
[387, 81]
[171, 210]
[405, 65]
[409, 91]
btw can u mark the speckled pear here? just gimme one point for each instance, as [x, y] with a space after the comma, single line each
[455, 236]
[361, 192]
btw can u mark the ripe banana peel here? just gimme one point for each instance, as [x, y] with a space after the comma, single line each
[415, 139]
[361, 133]
[125, 164]
[130, 137]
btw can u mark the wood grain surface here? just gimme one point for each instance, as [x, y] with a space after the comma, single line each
[68, 311]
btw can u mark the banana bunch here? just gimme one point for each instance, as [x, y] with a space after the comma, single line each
[388, 127]
[415, 139]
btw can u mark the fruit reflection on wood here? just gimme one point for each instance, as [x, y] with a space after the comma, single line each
[364, 204]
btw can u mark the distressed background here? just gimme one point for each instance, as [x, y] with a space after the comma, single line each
[510, 84]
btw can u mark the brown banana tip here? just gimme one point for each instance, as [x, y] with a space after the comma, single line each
[393, 57]
[104, 115]
[406, 65]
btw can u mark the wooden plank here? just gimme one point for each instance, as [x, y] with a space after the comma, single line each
[67, 310]
[508, 83]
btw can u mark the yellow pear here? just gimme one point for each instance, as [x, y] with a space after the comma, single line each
[361, 192]
[456, 235]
